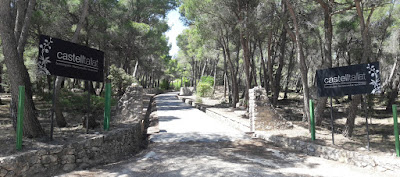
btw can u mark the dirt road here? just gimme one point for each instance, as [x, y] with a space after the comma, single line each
[192, 144]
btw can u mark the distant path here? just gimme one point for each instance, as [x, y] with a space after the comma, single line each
[192, 144]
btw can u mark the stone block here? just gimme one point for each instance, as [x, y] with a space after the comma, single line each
[55, 150]
[185, 91]
[67, 159]
[37, 168]
[70, 151]
[3, 172]
[46, 159]
[35, 159]
[69, 167]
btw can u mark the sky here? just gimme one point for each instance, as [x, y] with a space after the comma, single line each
[176, 27]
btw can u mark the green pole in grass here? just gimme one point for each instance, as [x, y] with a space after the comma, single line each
[396, 130]
[107, 109]
[20, 119]
[312, 120]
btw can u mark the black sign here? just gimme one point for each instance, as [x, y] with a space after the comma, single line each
[62, 58]
[349, 80]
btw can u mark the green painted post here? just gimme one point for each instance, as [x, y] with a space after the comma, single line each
[107, 109]
[312, 120]
[396, 130]
[20, 119]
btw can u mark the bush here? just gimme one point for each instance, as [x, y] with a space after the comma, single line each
[79, 102]
[205, 86]
[177, 83]
[207, 79]
[120, 80]
[164, 85]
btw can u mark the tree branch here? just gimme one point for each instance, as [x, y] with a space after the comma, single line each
[344, 10]
[323, 4]
[25, 28]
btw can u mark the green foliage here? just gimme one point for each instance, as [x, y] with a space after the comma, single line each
[207, 79]
[120, 79]
[205, 86]
[79, 102]
[164, 85]
[177, 83]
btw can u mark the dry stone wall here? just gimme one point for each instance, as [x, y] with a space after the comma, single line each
[97, 149]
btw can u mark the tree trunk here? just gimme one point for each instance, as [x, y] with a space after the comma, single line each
[264, 68]
[351, 116]
[366, 54]
[136, 67]
[215, 75]
[204, 68]
[13, 57]
[300, 56]
[278, 75]
[225, 72]
[245, 46]
[327, 63]
[253, 64]
[289, 73]
[1, 80]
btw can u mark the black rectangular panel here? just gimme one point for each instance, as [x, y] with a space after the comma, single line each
[349, 80]
[63, 58]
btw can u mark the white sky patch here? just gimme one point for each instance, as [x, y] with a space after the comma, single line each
[176, 28]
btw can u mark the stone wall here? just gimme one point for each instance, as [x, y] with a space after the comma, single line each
[262, 115]
[380, 163]
[106, 147]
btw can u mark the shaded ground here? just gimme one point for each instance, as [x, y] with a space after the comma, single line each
[187, 147]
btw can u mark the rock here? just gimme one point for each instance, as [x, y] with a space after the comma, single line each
[37, 168]
[185, 91]
[70, 151]
[10, 173]
[83, 166]
[69, 167]
[35, 159]
[130, 105]
[46, 159]
[67, 159]
[55, 150]
[3, 172]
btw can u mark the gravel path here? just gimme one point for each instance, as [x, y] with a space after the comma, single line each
[192, 144]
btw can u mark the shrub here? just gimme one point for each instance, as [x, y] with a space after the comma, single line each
[207, 79]
[205, 86]
[78, 102]
[177, 83]
[120, 80]
[164, 85]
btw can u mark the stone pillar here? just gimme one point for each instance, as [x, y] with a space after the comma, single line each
[130, 106]
[261, 113]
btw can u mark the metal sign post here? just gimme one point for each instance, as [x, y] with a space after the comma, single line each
[20, 118]
[366, 121]
[53, 109]
[333, 130]
[88, 108]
